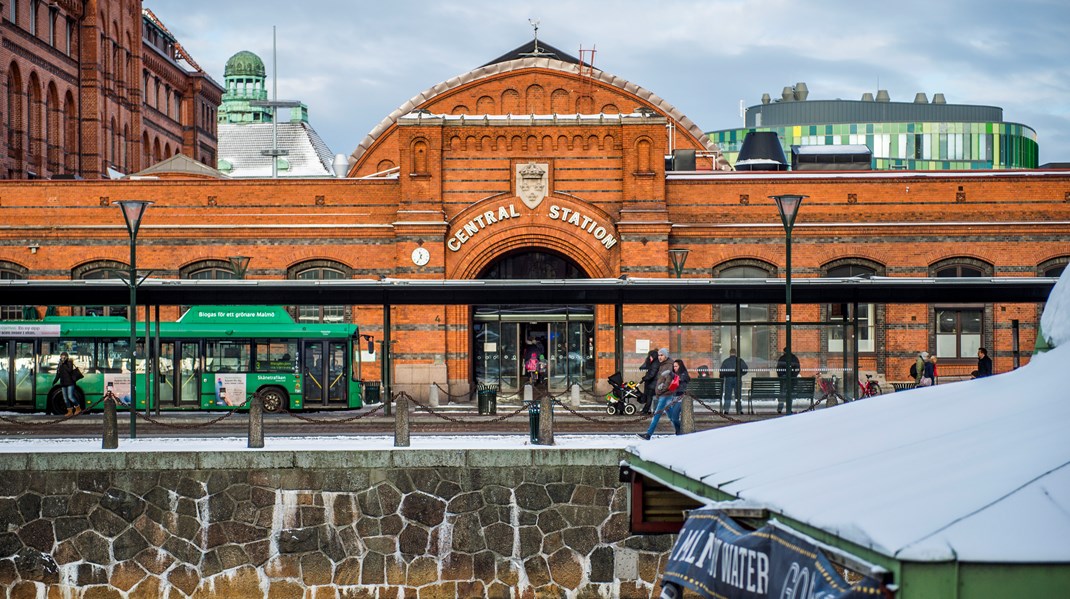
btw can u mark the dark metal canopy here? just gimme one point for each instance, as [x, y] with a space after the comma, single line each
[881, 290]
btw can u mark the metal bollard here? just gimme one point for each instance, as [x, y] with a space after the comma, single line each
[111, 425]
[533, 422]
[687, 414]
[256, 423]
[401, 421]
[546, 420]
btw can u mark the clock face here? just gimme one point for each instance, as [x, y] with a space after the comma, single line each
[420, 256]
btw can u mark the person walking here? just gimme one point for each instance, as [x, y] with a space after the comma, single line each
[783, 370]
[733, 369]
[664, 389]
[67, 375]
[927, 373]
[984, 364]
[919, 368]
[650, 373]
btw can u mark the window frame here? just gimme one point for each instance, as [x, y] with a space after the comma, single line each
[320, 313]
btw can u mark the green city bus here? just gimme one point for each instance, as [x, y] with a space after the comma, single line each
[212, 358]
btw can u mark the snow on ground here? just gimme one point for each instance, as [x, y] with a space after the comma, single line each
[330, 443]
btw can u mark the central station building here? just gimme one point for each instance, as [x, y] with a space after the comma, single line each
[539, 166]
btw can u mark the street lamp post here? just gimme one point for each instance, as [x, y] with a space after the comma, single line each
[133, 211]
[788, 206]
[679, 258]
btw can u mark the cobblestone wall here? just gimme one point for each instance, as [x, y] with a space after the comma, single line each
[374, 524]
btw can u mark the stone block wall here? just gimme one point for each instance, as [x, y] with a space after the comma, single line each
[376, 524]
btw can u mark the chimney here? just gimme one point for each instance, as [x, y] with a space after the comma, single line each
[787, 94]
[765, 98]
[761, 151]
[920, 98]
[939, 99]
[801, 91]
[882, 96]
[867, 97]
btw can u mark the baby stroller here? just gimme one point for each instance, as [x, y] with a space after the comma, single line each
[623, 398]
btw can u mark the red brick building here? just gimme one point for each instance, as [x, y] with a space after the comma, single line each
[542, 167]
[98, 85]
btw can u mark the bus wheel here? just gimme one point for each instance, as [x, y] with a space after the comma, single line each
[273, 398]
[56, 405]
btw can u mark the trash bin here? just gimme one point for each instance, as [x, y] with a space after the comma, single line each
[372, 392]
[488, 399]
[533, 421]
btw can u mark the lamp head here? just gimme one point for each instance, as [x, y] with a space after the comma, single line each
[239, 264]
[788, 206]
[133, 212]
[679, 258]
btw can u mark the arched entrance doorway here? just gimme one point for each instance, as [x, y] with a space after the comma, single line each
[552, 346]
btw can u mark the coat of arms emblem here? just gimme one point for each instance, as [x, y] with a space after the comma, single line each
[531, 183]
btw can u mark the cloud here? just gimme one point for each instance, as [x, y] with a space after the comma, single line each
[353, 63]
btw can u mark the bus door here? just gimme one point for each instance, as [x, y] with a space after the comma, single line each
[187, 374]
[337, 371]
[313, 371]
[17, 380]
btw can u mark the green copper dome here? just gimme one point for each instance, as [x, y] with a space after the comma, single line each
[244, 63]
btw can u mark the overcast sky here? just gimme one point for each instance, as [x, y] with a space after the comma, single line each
[354, 62]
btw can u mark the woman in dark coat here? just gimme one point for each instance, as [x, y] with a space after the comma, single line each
[67, 379]
[650, 372]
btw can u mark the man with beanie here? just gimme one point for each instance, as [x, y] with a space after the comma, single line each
[662, 391]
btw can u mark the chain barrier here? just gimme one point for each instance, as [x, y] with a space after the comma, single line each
[718, 412]
[378, 408]
[431, 410]
[637, 418]
[449, 396]
[216, 420]
[31, 425]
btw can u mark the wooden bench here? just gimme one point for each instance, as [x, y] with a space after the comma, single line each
[706, 389]
[770, 388]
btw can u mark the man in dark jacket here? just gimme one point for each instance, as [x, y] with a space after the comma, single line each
[984, 364]
[783, 371]
[733, 369]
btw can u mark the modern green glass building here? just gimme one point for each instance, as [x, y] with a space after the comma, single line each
[916, 135]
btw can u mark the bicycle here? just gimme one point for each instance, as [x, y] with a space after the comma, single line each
[870, 388]
[829, 391]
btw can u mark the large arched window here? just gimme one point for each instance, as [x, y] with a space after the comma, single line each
[745, 327]
[10, 270]
[320, 270]
[1053, 267]
[959, 328]
[100, 269]
[867, 313]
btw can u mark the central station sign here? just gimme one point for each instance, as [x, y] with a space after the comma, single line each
[586, 223]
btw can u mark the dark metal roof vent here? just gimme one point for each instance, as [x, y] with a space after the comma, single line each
[920, 98]
[867, 97]
[882, 96]
[761, 151]
[938, 98]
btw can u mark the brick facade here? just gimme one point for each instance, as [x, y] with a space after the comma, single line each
[89, 86]
[611, 208]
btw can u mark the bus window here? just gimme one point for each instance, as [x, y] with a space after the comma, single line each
[276, 355]
[115, 355]
[227, 356]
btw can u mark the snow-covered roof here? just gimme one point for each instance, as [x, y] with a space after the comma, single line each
[240, 147]
[976, 471]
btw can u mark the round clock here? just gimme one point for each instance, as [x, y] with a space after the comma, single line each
[420, 256]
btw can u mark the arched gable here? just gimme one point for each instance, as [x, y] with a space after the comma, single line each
[512, 82]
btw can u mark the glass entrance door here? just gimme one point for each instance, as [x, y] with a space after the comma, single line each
[552, 348]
